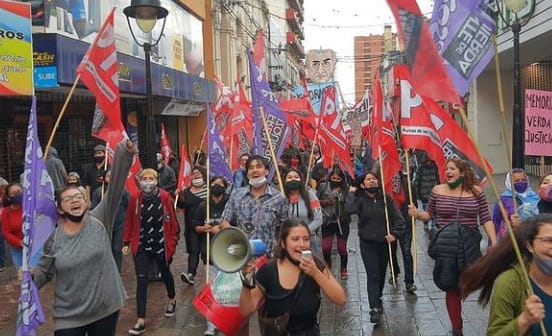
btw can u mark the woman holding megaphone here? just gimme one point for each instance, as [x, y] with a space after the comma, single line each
[286, 290]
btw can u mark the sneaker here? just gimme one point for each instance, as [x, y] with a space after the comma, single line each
[344, 274]
[138, 329]
[210, 332]
[375, 316]
[187, 278]
[170, 310]
[411, 288]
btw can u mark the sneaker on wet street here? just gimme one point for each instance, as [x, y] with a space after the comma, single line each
[138, 329]
[171, 309]
[187, 278]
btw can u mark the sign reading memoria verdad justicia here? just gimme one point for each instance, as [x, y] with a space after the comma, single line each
[538, 122]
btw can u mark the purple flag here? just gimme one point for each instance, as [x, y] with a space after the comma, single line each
[463, 32]
[218, 164]
[278, 128]
[39, 217]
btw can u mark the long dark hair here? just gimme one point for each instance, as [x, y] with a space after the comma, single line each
[469, 182]
[361, 192]
[280, 252]
[302, 190]
[483, 272]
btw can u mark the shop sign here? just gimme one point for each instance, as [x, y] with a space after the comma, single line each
[16, 49]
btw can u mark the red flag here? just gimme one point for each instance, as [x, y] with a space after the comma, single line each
[298, 109]
[185, 170]
[259, 53]
[429, 76]
[417, 129]
[384, 145]
[166, 149]
[241, 126]
[131, 182]
[98, 71]
[333, 141]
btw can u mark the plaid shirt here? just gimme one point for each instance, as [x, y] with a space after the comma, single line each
[260, 218]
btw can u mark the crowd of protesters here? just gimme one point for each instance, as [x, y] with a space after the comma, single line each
[305, 210]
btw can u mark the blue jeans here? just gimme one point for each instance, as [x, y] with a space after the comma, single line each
[17, 257]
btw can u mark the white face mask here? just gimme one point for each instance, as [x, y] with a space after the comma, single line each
[257, 182]
[197, 182]
[148, 186]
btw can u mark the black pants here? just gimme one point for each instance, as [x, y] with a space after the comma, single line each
[142, 263]
[405, 242]
[375, 257]
[117, 247]
[194, 241]
[102, 327]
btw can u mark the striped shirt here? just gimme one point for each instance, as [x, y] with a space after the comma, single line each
[472, 210]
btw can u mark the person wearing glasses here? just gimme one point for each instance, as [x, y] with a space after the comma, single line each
[88, 288]
[503, 284]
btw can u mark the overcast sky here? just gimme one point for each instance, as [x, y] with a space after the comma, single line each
[331, 24]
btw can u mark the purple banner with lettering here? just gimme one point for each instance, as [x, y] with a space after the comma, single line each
[463, 32]
[39, 217]
[263, 99]
[218, 159]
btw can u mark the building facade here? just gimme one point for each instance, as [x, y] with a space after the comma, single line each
[181, 79]
[368, 54]
[536, 73]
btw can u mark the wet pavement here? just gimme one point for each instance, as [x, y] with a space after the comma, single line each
[404, 314]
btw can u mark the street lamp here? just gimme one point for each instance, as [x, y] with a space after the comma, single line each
[518, 118]
[146, 13]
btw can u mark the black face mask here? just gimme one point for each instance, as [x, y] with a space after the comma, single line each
[372, 190]
[16, 199]
[293, 185]
[291, 260]
[217, 190]
[99, 159]
[73, 218]
[335, 184]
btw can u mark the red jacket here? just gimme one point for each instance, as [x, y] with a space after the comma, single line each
[12, 221]
[171, 229]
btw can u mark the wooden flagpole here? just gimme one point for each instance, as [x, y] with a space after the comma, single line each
[208, 220]
[386, 217]
[412, 219]
[61, 113]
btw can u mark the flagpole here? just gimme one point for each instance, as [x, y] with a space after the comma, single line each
[315, 141]
[272, 153]
[61, 113]
[208, 220]
[504, 131]
[386, 218]
[412, 219]
[511, 233]
[105, 169]
[201, 144]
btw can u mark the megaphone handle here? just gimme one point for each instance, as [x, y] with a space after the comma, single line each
[248, 280]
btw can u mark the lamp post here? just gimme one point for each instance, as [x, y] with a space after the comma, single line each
[146, 13]
[518, 117]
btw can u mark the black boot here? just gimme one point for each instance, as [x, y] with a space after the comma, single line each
[375, 315]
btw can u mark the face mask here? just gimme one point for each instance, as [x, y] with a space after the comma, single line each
[148, 186]
[16, 199]
[293, 261]
[217, 190]
[257, 182]
[293, 185]
[456, 183]
[521, 186]
[372, 190]
[544, 264]
[99, 159]
[545, 193]
[197, 182]
[294, 162]
[74, 218]
[335, 184]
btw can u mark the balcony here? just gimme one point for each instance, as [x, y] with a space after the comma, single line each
[294, 23]
[294, 45]
[298, 6]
